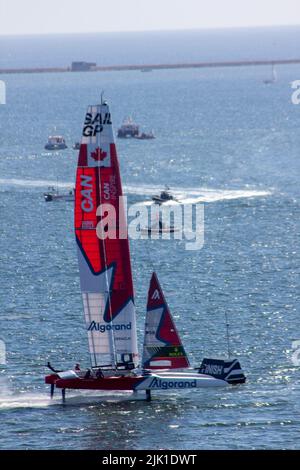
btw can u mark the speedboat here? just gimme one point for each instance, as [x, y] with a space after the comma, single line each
[56, 142]
[54, 195]
[145, 136]
[164, 196]
[159, 228]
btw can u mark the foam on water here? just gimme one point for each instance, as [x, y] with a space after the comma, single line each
[26, 400]
[28, 183]
[183, 195]
[11, 401]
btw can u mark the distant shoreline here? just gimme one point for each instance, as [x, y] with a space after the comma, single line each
[149, 67]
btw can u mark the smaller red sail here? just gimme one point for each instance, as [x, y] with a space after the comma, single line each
[163, 348]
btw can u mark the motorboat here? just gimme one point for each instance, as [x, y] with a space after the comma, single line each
[164, 196]
[56, 142]
[145, 136]
[159, 228]
[54, 195]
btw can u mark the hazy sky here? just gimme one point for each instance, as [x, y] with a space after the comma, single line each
[59, 16]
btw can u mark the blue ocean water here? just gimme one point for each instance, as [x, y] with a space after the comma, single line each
[150, 47]
[224, 138]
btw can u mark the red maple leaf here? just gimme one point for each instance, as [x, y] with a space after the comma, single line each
[98, 155]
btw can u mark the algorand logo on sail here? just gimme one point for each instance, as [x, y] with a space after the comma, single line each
[167, 384]
[101, 327]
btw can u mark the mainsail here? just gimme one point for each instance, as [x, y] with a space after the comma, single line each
[104, 263]
[162, 345]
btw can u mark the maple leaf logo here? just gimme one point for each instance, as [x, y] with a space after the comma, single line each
[98, 155]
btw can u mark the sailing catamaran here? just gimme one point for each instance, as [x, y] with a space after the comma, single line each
[107, 290]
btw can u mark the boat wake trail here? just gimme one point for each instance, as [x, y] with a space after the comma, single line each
[211, 195]
[183, 195]
[11, 401]
[197, 195]
[94, 397]
[24, 400]
[27, 183]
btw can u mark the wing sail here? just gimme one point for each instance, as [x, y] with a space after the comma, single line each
[104, 263]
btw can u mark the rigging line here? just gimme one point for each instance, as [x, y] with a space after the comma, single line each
[149, 238]
[86, 297]
[148, 252]
[112, 338]
[111, 331]
[227, 335]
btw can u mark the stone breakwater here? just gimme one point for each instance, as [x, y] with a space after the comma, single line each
[149, 67]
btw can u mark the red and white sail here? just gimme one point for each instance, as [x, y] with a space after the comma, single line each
[162, 345]
[104, 264]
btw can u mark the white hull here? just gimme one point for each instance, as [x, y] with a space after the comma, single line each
[179, 381]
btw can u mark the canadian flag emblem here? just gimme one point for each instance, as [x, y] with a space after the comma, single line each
[98, 155]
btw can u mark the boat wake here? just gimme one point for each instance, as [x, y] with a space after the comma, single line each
[197, 195]
[27, 183]
[94, 397]
[24, 400]
[11, 401]
[183, 195]
[223, 195]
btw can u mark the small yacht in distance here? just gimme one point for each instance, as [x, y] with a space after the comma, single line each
[273, 78]
[76, 146]
[56, 142]
[54, 195]
[164, 196]
[159, 228]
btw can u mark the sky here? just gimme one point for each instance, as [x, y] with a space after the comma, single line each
[88, 16]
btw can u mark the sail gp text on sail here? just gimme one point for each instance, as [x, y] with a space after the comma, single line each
[94, 125]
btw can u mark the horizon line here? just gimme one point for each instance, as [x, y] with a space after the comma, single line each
[167, 30]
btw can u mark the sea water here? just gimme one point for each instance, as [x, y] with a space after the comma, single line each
[223, 139]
